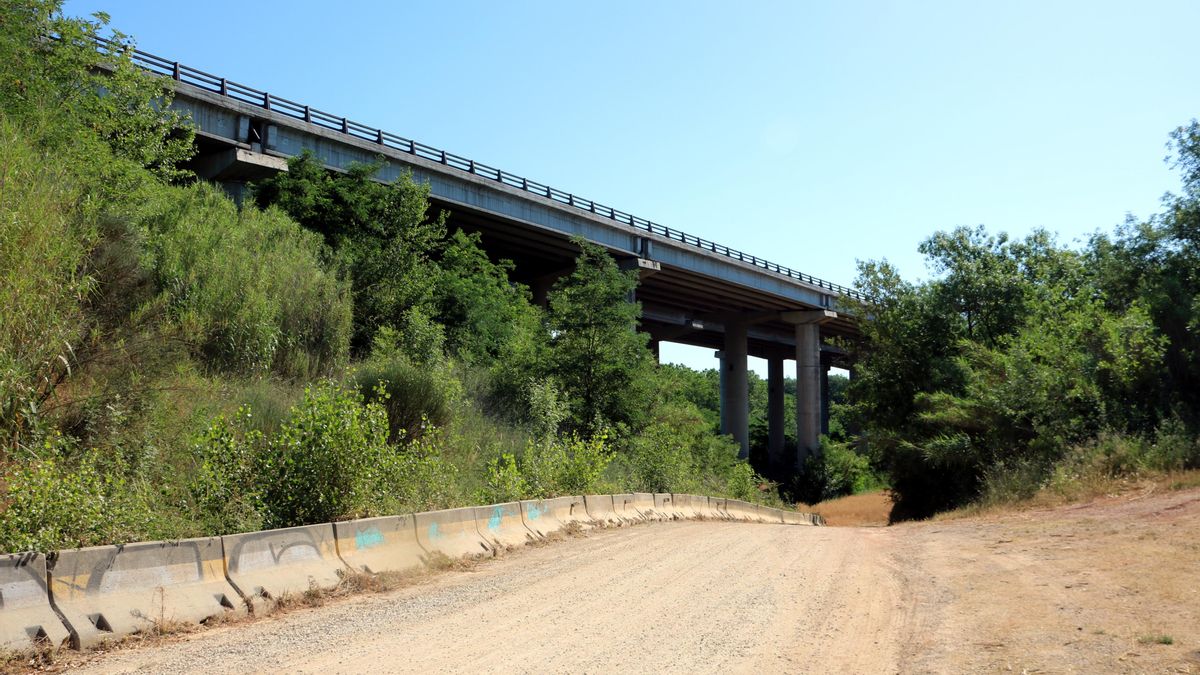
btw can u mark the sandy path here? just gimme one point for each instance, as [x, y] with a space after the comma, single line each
[1084, 589]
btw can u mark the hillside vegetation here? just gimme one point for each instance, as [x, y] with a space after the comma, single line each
[174, 364]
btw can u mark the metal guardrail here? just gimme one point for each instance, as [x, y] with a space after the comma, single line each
[283, 106]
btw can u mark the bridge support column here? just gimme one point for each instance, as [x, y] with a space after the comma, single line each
[808, 392]
[540, 289]
[808, 381]
[776, 461]
[825, 398]
[735, 392]
[722, 386]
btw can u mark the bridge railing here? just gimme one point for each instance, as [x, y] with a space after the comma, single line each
[320, 118]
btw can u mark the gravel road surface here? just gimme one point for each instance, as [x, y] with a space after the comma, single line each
[1108, 586]
[678, 597]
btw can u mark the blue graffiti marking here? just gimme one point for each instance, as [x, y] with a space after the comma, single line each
[534, 512]
[368, 538]
[497, 516]
[433, 531]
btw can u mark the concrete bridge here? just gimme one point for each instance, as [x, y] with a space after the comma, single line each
[692, 291]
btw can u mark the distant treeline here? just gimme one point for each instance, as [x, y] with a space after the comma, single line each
[1025, 364]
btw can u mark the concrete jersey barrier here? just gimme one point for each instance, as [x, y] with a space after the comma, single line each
[664, 506]
[451, 532]
[276, 562]
[539, 518]
[693, 506]
[740, 510]
[700, 507]
[625, 510]
[86, 595]
[797, 518]
[26, 617]
[771, 515]
[374, 545]
[643, 504]
[502, 526]
[545, 516]
[111, 591]
[600, 509]
[717, 506]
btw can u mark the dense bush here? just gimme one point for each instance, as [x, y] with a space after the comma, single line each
[409, 375]
[662, 457]
[225, 485]
[321, 464]
[247, 287]
[65, 499]
[44, 282]
[548, 468]
[380, 232]
[992, 377]
[837, 471]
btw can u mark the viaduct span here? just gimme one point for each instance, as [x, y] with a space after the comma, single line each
[692, 291]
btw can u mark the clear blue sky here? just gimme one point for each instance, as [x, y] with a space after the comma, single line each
[812, 134]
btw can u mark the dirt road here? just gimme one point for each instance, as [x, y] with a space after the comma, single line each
[1098, 588]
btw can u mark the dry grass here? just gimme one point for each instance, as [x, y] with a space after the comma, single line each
[1085, 489]
[45, 659]
[358, 583]
[870, 509]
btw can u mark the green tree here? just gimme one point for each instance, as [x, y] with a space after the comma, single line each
[382, 233]
[66, 91]
[598, 358]
[486, 316]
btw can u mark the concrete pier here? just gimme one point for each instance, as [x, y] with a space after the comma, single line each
[735, 408]
[775, 417]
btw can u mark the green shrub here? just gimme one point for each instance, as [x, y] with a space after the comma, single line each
[56, 501]
[414, 398]
[1174, 448]
[410, 377]
[415, 477]
[247, 287]
[1013, 480]
[661, 458]
[321, 464]
[550, 467]
[503, 481]
[224, 483]
[586, 460]
[742, 483]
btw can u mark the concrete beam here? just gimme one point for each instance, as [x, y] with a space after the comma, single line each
[812, 316]
[643, 266]
[237, 164]
[222, 117]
